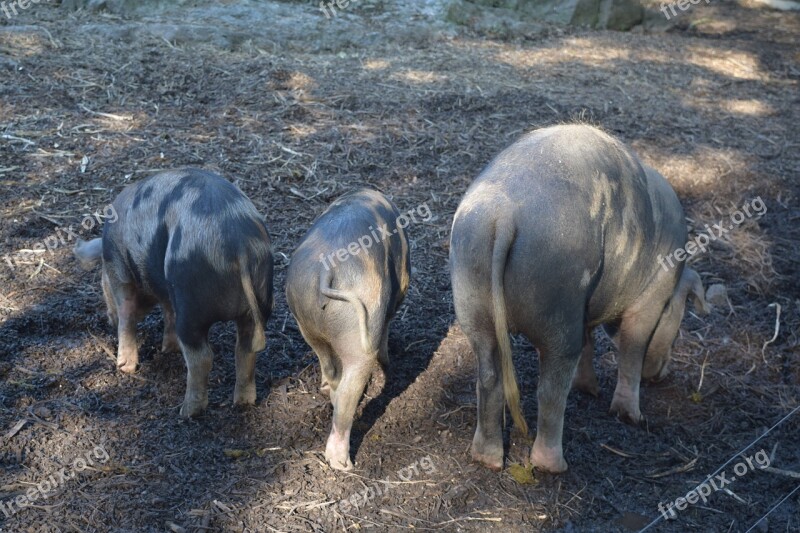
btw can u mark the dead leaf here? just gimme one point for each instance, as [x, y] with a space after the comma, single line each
[236, 454]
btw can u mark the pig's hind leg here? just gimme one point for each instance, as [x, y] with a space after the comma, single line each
[356, 371]
[169, 343]
[329, 380]
[585, 379]
[244, 392]
[487, 444]
[558, 358]
[475, 317]
[199, 357]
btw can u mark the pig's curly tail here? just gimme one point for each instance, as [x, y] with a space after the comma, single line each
[325, 289]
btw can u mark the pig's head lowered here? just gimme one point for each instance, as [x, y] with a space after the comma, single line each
[659, 351]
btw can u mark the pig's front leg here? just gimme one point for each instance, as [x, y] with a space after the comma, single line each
[585, 379]
[356, 371]
[244, 392]
[635, 331]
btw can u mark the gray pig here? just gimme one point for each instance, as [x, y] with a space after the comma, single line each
[559, 234]
[346, 280]
[192, 242]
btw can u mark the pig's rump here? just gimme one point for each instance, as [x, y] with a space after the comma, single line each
[188, 237]
[324, 260]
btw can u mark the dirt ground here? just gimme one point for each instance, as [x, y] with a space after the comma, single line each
[304, 109]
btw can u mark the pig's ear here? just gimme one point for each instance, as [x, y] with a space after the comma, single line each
[691, 282]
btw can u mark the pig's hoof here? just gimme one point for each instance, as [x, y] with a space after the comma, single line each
[337, 451]
[586, 385]
[190, 409]
[491, 462]
[548, 465]
[325, 388]
[488, 455]
[339, 463]
[170, 345]
[127, 365]
[245, 395]
[624, 412]
[548, 459]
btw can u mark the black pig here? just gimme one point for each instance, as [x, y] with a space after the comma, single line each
[192, 242]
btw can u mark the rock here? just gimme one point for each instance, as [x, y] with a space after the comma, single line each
[119, 7]
[600, 14]
[780, 5]
[496, 22]
[717, 295]
[43, 412]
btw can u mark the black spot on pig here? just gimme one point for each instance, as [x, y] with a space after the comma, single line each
[141, 195]
[202, 295]
[395, 284]
[195, 179]
[222, 196]
[239, 228]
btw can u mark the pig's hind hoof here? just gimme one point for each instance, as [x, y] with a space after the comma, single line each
[587, 386]
[632, 417]
[189, 410]
[129, 367]
[246, 396]
[170, 346]
[492, 462]
[339, 464]
[548, 464]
